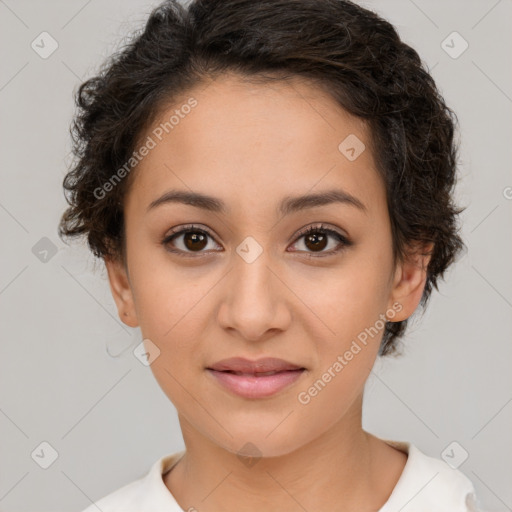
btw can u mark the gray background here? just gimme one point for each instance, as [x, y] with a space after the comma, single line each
[68, 375]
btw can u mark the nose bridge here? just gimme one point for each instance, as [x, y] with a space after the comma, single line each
[253, 279]
[252, 274]
[252, 303]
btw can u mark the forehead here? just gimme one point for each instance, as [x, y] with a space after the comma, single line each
[245, 141]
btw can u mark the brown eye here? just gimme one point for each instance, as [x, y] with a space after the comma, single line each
[316, 239]
[187, 241]
[194, 241]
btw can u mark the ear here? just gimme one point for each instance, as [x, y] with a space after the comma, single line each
[121, 291]
[409, 280]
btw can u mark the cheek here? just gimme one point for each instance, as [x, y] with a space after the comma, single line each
[349, 306]
[364, 288]
[171, 316]
[167, 296]
[349, 299]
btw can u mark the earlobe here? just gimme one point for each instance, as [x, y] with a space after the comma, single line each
[409, 281]
[121, 291]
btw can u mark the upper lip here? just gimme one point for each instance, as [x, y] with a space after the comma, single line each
[265, 364]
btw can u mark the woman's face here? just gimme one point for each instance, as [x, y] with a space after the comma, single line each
[244, 281]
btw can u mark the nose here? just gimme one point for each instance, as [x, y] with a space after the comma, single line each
[254, 299]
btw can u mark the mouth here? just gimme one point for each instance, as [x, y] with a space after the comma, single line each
[257, 374]
[256, 384]
[265, 365]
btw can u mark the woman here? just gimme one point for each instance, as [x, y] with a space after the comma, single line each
[270, 186]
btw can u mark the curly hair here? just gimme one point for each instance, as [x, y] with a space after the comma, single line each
[350, 52]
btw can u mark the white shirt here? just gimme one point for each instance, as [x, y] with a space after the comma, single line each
[426, 484]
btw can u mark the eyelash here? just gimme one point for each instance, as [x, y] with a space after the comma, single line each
[345, 242]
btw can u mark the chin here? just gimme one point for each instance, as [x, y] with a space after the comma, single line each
[263, 440]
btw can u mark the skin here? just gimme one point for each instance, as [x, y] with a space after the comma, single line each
[251, 145]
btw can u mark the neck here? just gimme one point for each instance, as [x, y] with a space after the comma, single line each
[344, 465]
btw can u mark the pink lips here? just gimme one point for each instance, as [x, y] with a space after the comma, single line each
[255, 379]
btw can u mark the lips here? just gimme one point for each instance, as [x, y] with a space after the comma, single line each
[258, 379]
[260, 367]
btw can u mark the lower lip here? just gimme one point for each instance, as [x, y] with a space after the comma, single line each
[249, 386]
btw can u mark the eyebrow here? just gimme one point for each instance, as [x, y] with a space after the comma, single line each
[288, 205]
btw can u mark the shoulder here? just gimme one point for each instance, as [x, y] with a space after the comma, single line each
[146, 494]
[428, 483]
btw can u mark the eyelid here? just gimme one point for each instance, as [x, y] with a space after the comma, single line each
[188, 227]
[319, 227]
